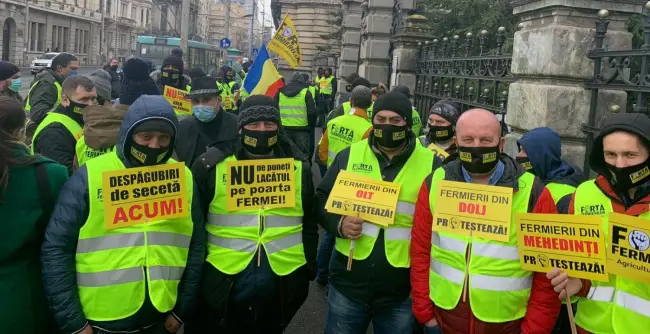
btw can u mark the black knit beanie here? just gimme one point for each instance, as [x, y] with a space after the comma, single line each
[396, 102]
[136, 81]
[173, 61]
[7, 70]
[155, 125]
[258, 108]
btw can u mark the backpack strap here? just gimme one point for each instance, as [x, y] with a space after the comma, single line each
[46, 198]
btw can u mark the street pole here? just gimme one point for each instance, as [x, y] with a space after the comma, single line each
[102, 34]
[227, 27]
[185, 26]
[251, 38]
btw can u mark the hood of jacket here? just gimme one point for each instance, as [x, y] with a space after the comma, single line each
[102, 126]
[147, 107]
[544, 151]
[48, 75]
[296, 85]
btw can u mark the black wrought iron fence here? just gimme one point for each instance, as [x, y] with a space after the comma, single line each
[471, 70]
[620, 70]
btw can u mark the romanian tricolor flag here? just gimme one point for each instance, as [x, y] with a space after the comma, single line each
[263, 78]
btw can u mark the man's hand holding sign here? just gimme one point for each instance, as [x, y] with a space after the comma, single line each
[357, 199]
[143, 195]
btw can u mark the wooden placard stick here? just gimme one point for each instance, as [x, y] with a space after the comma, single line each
[569, 307]
[351, 252]
[467, 260]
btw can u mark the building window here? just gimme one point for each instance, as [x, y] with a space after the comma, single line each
[110, 39]
[122, 41]
[66, 39]
[134, 12]
[146, 18]
[81, 41]
[124, 9]
[132, 42]
[108, 6]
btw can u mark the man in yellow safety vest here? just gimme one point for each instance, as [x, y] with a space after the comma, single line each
[142, 277]
[447, 266]
[298, 112]
[56, 137]
[45, 92]
[621, 157]
[417, 120]
[259, 261]
[377, 287]
[442, 128]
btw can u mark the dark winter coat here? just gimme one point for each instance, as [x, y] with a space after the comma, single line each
[115, 82]
[25, 207]
[44, 95]
[218, 299]
[62, 234]
[8, 92]
[56, 142]
[195, 136]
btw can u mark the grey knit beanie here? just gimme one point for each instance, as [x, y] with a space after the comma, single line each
[102, 81]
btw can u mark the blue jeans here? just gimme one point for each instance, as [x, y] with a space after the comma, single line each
[345, 316]
[324, 256]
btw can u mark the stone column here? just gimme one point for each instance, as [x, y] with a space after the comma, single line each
[550, 60]
[406, 50]
[349, 58]
[375, 44]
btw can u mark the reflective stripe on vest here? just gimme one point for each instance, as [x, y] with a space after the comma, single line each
[344, 131]
[111, 264]
[621, 305]
[293, 110]
[494, 270]
[59, 89]
[397, 235]
[85, 152]
[54, 117]
[234, 238]
[326, 85]
[559, 190]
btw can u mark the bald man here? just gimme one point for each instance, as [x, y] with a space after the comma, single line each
[500, 296]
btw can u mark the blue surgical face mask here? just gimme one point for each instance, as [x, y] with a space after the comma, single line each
[71, 74]
[204, 113]
[16, 85]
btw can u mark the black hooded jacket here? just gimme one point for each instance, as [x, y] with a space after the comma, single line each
[61, 236]
[294, 88]
[56, 142]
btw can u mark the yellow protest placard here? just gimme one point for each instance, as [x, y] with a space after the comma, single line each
[473, 209]
[574, 244]
[256, 184]
[144, 195]
[360, 196]
[628, 242]
[176, 98]
[286, 44]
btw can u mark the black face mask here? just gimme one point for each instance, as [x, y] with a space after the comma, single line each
[77, 108]
[259, 142]
[170, 77]
[479, 160]
[525, 163]
[629, 177]
[114, 67]
[147, 156]
[390, 136]
[441, 133]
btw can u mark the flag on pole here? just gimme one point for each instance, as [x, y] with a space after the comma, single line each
[263, 78]
[285, 43]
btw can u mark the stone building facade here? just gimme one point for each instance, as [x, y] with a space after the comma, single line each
[124, 21]
[237, 26]
[67, 26]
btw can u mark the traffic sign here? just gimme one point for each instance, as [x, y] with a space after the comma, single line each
[224, 43]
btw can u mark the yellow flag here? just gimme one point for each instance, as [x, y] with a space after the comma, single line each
[285, 43]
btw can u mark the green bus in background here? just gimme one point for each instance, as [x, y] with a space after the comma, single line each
[199, 54]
